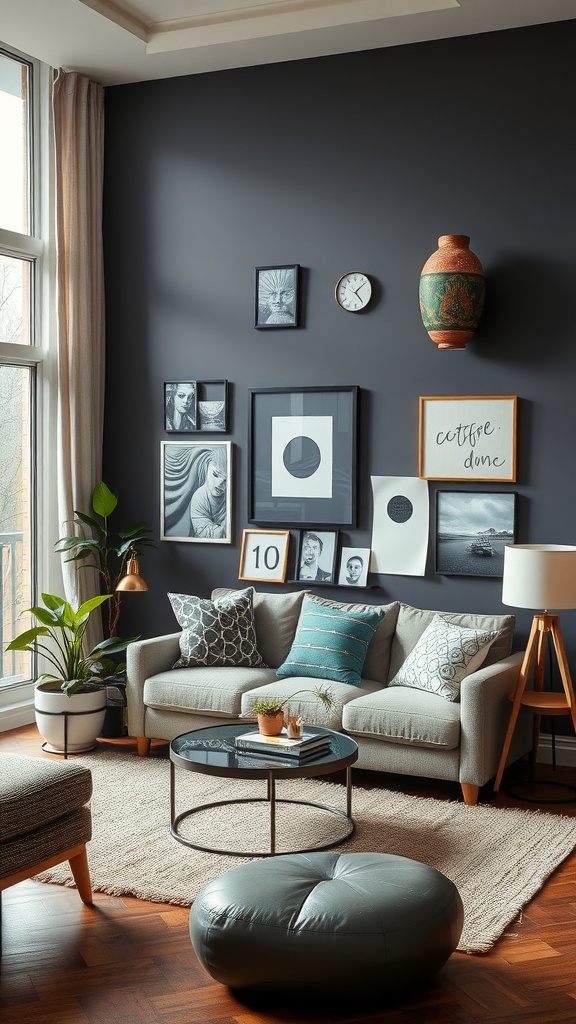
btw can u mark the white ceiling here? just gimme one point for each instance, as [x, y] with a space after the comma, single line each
[118, 41]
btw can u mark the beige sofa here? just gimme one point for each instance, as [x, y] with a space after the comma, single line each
[398, 728]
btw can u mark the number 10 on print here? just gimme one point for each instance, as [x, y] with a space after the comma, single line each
[264, 555]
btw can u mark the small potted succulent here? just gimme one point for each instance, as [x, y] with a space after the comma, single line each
[271, 710]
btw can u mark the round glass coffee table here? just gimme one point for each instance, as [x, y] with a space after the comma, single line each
[212, 751]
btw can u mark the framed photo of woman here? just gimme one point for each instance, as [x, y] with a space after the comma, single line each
[195, 488]
[180, 406]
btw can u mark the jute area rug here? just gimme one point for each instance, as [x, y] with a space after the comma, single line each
[498, 858]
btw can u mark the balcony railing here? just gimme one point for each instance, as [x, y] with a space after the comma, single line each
[10, 585]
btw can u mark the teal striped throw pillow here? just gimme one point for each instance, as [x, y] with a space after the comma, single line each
[331, 643]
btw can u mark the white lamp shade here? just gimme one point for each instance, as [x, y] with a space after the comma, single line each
[539, 576]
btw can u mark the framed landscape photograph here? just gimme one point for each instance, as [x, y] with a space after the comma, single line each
[212, 404]
[276, 297]
[472, 530]
[303, 456]
[468, 438]
[195, 491]
[316, 557]
[264, 555]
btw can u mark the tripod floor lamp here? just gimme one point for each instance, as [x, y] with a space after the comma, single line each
[539, 576]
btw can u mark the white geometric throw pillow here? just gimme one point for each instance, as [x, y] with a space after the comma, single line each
[443, 656]
[219, 632]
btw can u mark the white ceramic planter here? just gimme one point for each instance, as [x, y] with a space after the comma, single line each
[83, 720]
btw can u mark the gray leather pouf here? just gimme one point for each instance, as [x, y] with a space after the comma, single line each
[330, 923]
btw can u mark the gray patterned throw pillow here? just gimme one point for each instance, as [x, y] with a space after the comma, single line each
[444, 655]
[219, 632]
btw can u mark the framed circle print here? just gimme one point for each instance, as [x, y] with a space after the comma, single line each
[303, 456]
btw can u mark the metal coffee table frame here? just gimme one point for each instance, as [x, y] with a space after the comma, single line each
[224, 735]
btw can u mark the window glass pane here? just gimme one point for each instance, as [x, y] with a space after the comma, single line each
[15, 516]
[15, 300]
[14, 113]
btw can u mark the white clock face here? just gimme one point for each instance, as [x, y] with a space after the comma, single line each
[353, 291]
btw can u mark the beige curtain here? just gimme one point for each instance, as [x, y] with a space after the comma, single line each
[78, 107]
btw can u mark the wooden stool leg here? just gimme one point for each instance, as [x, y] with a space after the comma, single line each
[81, 872]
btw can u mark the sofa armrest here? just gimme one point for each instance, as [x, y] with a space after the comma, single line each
[145, 658]
[484, 715]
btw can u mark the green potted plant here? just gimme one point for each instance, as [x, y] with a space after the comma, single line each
[270, 710]
[70, 700]
[94, 544]
[93, 547]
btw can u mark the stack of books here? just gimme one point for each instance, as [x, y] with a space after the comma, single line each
[282, 749]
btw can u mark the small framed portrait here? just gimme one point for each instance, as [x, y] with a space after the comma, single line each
[276, 297]
[195, 491]
[180, 406]
[264, 555]
[316, 558]
[354, 564]
[472, 530]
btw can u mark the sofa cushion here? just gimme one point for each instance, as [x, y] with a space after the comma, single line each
[217, 632]
[330, 642]
[205, 690]
[443, 656]
[413, 621]
[275, 618]
[307, 705]
[377, 662]
[402, 715]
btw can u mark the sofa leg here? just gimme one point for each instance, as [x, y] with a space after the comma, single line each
[470, 793]
[143, 745]
[81, 872]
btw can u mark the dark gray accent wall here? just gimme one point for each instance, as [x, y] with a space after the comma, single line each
[349, 162]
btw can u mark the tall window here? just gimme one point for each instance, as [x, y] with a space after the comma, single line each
[22, 347]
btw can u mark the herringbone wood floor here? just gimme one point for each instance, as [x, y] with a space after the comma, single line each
[124, 961]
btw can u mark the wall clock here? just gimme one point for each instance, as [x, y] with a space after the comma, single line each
[353, 291]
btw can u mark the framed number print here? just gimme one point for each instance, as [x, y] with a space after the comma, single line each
[302, 453]
[195, 491]
[472, 530]
[276, 297]
[468, 438]
[264, 555]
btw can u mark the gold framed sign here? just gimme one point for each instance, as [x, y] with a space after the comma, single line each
[470, 437]
[264, 555]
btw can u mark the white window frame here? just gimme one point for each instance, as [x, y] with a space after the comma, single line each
[17, 700]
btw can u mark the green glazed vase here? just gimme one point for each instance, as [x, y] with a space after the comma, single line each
[451, 292]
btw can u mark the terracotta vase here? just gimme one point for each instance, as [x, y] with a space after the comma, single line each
[271, 725]
[452, 292]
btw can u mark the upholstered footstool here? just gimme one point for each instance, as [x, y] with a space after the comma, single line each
[331, 923]
[45, 819]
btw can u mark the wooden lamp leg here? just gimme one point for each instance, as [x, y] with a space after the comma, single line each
[533, 648]
[558, 641]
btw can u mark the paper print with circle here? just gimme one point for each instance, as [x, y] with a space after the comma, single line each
[400, 525]
[302, 456]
